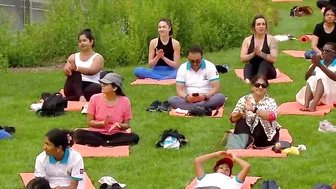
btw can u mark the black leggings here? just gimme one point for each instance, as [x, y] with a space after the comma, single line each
[259, 135]
[322, 3]
[74, 87]
[85, 137]
[265, 68]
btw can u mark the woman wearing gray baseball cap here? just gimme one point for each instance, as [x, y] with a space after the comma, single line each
[108, 116]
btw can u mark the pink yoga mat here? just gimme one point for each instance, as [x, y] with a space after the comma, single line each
[218, 115]
[281, 77]
[295, 53]
[293, 108]
[153, 82]
[26, 177]
[248, 183]
[268, 152]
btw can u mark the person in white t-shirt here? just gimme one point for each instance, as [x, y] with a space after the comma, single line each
[197, 84]
[83, 70]
[62, 166]
[221, 178]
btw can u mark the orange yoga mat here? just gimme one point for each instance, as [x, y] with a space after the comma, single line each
[268, 152]
[306, 38]
[87, 151]
[26, 177]
[153, 82]
[248, 183]
[218, 115]
[281, 77]
[293, 108]
[295, 53]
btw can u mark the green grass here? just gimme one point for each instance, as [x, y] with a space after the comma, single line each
[148, 167]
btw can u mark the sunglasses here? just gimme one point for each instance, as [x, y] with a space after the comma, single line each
[259, 84]
[327, 50]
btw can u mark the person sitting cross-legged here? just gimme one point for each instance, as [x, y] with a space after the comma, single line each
[197, 84]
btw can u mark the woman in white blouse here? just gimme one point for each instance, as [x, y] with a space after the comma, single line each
[255, 114]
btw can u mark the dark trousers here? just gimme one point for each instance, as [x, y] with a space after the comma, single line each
[259, 135]
[265, 68]
[85, 137]
[322, 3]
[74, 87]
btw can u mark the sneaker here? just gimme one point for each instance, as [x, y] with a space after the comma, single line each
[154, 106]
[84, 109]
[326, 126]
[164, 107]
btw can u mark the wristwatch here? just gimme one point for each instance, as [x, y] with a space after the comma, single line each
[255, 109]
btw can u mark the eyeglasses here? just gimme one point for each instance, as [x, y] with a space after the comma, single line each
[259, 84]
[327, 50]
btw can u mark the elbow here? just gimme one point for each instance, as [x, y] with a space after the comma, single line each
[242, 59]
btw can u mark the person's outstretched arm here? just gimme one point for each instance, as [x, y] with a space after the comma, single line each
[245, 168]
[198, 162]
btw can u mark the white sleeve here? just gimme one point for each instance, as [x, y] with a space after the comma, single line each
[180, 77]
[237, 183]
[77, 172]
[40, 170]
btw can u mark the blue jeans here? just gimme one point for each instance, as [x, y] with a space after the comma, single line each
[157, 72]
[309, 54]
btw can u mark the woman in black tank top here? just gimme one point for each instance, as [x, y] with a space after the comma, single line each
[164, 55]
[259, 51]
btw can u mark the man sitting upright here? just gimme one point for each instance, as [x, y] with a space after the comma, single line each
[197, 84]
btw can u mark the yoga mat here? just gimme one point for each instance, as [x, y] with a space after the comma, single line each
[26, 177]
[295, 53]
[287, 0]
[293, 108]
[248, 183]
[153, 82]
[306, 38]
[218, 115]
[268, 152]
[281, 77]
[87, 151]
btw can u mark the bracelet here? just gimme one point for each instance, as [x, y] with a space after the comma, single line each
[185, 98]
[255, 109]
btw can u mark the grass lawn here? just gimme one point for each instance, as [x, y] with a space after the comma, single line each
[148, 167]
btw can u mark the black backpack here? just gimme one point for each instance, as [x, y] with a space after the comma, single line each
[269, 184]
[174, 133]
[53, 105]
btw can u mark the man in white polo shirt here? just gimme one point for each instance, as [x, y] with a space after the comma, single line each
[197, 83]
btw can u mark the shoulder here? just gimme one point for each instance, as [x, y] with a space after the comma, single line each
[125, 100]
[154, 42]
[248, 38]
[269, 99]
[98, 56]
[96, 97]
[209, 64]
[319, 25]
[72, 56]
[270, 37]
[175, 43]
[41, 157]
[75, 156]
[183, 66]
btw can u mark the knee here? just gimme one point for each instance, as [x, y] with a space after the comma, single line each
[220, 98]
[172, 100]
[135, 139]
[138, 71]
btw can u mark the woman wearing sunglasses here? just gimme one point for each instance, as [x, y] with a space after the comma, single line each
[255, 114]
[321, 80]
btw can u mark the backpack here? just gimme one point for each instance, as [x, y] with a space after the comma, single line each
[174, 133]
[199, 111]
[269, 184]
[298, 11]
[53, 105]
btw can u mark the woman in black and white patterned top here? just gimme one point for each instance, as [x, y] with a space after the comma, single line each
[255, 114]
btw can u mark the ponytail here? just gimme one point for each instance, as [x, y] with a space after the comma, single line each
[60, 137]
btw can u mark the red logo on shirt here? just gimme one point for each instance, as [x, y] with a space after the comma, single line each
[81, 171]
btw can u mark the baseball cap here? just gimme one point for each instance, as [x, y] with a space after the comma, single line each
[112, 78]
[322, 186]
[225, 160]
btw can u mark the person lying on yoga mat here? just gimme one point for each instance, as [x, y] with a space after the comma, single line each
[83, 70]
[324, 32]
[108, 116]
[321, 80]
[164, 55]
[222, 171]
[326, 3]
[62, 166]
[197, 84]
[255, 114]
[259, 51]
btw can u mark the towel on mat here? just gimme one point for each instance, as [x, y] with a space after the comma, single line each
[183, 113]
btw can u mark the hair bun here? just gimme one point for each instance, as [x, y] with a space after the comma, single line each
[87, 30]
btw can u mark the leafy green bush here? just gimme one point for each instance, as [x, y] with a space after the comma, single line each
[124, 28]
[5, 41]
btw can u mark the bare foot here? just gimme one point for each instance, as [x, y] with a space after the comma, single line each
[82, 99]
[304, 108]
[312, 107]
[247, 81]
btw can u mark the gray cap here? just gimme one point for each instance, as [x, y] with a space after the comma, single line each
[322, 186]
[112, 78]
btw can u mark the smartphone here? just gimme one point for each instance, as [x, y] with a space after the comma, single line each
[195, 94]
